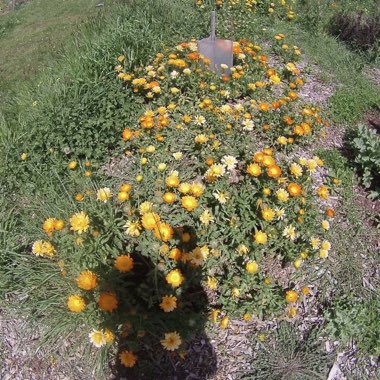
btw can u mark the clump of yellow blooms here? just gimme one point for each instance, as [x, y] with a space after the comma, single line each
[210, 198]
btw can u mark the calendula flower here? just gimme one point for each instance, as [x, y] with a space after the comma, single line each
[168, 303]
[296, 169]
[79, 222]
[175, 278]
[48, 226]
[268, 214]
[326, 245]
[261, 237]
[206, 217]
[289, 232]
[312, 165]
[212, 283]
[37, 248]
[315, 242]
[201, 139]
[97, 338]
[103, 194]
[198, 255]
[224, 322]
[229, 162]
[282, 195]
[124, 263]
[145, 207]
[217, 170]
[252, 267]
[132, 228]
[199, 120]
[177, 155]
[87, 280]
[323, 192]
[325, 225]
[108, 301]
[221, 197]
[189, 203]
[172, 341]
[248, 125]
[128, 359]
[280, 213]
[163, 231]
[323, 253]
[76, 303]
[150, 220]
[291, 296]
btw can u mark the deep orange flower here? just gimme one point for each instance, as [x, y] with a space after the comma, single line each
[274, 171]
[294, 189]
[108, 301]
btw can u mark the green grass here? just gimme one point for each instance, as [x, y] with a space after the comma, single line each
[33, 36]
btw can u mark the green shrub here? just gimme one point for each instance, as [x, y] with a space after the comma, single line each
[365, 145]
[349, 320]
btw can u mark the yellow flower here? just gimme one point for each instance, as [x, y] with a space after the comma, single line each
[189, 203]
[172, 181]
[145, 207]
[110, 336]
[103, 194]
[72, 165]
[87, 280]
[201, 139]
[206, 217]
[247, 317]
[214, 315]
[252, 267]
[132, 228]
[79, 222]
[323, 253]
[212, 283]
[325, 225]
[242, 249]
[254, 170]
[268, 214]
[48, 226]
[76, 304]
[124, 263]
[150, 220]
[24, 156]
[296, 169]
[175, 278]
[168, 304]
[184, 188]
[161, 166]
[326, 245]
[163, 231]
[197, 189]
[48, 249]
[169, 197]
[97, 338]
[275, 79]
[224, 322]
[291, 296]
[37, 248]
[108, 301]
[128, 359]
[172, 341]
[323, 192]
[282, 195]
[260, 237]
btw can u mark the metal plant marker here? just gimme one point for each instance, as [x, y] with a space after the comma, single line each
[219, 52]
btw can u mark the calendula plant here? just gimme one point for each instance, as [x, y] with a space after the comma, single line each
[278, 8]
[207, 201]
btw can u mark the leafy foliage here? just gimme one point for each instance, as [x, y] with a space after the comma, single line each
[365, 145]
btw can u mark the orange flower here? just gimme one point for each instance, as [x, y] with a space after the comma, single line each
[124, 263]
[108, 301]
[169, 197]
[274, 171]
[127, 359]
[163, 231]
[86, 280]
[294, 189]
[330, 212]
[172, 181]
[127, 134]
[258, 157]
[265, 107]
